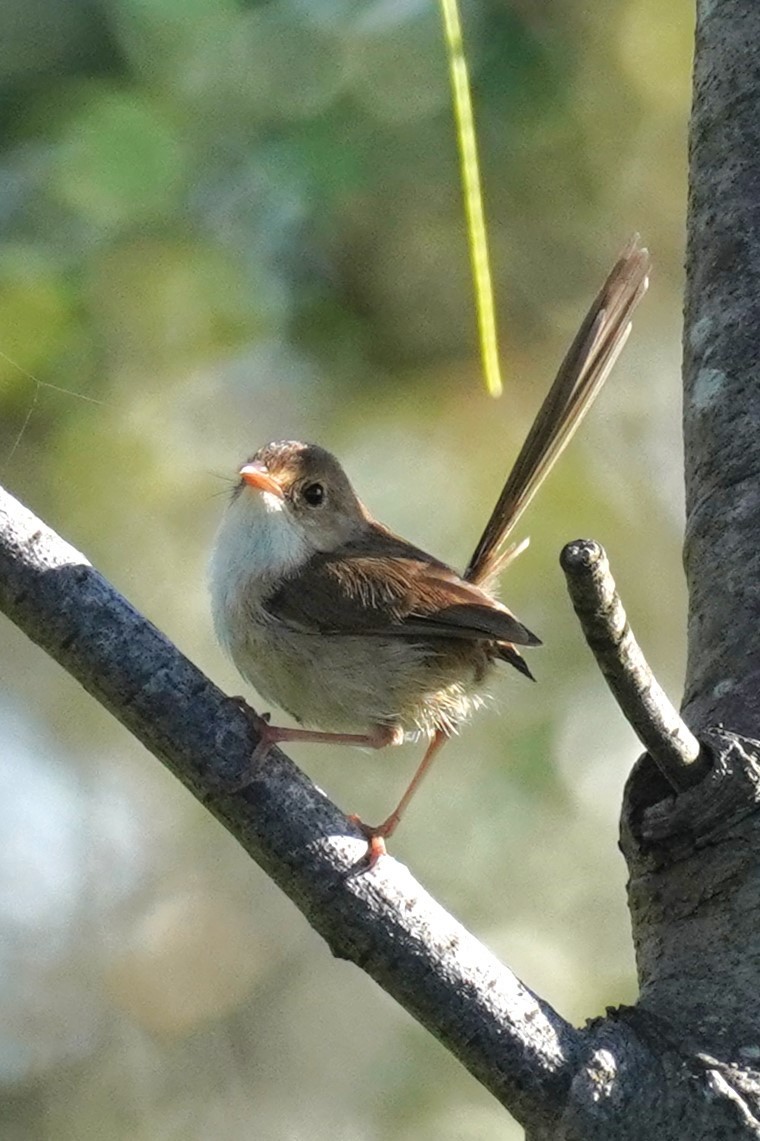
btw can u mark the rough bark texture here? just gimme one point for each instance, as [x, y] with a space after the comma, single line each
[721, 411]
[684, 1062]
[694, 886]
[513, 1042]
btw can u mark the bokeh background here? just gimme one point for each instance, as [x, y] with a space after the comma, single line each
[226, 222]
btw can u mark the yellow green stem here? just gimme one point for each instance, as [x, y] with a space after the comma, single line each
[473, 198]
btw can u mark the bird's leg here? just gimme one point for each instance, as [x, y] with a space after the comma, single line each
[378, 834]
[270, 735]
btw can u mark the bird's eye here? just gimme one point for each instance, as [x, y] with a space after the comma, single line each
[313, 493]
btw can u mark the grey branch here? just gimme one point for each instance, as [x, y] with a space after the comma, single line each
[621, 1077]
[656, 722]
[512, 1041]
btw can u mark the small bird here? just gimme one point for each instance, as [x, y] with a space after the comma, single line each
[354, 631]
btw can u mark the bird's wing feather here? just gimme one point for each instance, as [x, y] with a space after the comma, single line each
[390, 587]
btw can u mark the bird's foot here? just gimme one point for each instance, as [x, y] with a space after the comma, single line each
[376, 836]
[250, 712]
[267, 737]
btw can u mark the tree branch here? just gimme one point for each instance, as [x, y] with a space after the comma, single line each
[510, 1039]
[655, 721]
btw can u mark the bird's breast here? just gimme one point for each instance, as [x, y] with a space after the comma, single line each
[335, 682]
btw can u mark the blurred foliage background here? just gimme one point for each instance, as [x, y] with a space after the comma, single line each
[226, 222]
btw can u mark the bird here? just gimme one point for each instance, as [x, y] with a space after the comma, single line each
[358, 634]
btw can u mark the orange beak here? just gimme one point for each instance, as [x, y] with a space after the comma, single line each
[257, 476]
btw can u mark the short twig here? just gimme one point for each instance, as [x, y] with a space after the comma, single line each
[656, 722]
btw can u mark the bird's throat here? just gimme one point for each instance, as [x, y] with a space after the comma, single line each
[258, 542]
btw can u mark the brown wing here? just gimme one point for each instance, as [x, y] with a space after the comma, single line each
[385, 586]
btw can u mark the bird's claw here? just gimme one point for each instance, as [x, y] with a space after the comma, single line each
[260, 725]
[375, 835]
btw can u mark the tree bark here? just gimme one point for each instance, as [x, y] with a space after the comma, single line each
[511, 1040]
[694, 887]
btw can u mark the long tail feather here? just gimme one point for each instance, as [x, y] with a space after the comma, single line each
[581, 375]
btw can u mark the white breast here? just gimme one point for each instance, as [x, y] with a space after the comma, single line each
[256, 544]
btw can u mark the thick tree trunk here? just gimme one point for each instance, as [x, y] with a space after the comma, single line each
[684, 1062]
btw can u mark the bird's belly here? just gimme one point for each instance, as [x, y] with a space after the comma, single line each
[350, 684]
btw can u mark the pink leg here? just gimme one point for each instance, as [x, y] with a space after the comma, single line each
[378, 835]
[379, 737]
[270, 735]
